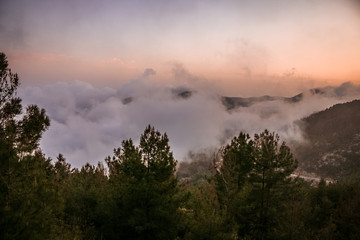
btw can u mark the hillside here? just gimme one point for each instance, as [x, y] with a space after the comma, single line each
[332, 147]
[197, 168]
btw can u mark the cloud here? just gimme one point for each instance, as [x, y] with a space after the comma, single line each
[87, 123]
[149, 72]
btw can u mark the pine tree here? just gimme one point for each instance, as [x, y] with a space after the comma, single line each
[272, 168]
[251, 182]
[25, 173]
[144, 186]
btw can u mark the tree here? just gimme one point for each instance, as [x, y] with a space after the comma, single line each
[293, 220]
[8, 81]
[25, 174]
[272, 168]
[201, 215]
[83, 211]
[236, 164]
[144, 188]
[251, 182]
[32, 204]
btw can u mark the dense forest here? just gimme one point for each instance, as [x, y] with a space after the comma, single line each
[246, 193]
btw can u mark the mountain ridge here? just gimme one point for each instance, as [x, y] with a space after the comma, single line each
[232, 103]
[332, 145]
[344, 89]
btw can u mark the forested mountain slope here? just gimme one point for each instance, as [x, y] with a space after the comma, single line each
[332, 147]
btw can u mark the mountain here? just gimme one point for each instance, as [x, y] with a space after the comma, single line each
[332, 146]
[234, 102]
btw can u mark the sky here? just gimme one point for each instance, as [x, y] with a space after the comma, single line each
[79, 59]
[240, 47]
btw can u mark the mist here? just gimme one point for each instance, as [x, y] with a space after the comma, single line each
[88, 122]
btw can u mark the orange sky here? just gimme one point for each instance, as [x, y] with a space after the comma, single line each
[240, 47]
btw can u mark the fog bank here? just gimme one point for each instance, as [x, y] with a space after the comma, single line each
[87, 123]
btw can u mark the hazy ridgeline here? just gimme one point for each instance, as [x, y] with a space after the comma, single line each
[243, 191]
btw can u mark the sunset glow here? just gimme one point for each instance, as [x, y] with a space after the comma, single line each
[228, 43]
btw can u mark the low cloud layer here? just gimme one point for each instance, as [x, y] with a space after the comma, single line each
[87, 123]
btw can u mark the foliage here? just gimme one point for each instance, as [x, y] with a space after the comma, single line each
[8, 81]
[201, 215]
[252, 182]
[144, 181]
[27, 191]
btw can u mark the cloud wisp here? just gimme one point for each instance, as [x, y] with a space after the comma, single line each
[87, 123]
